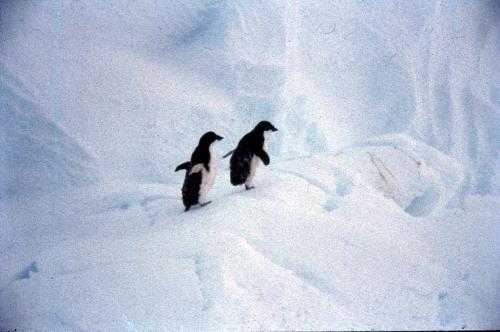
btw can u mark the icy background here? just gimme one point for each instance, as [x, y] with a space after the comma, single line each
[379, 209]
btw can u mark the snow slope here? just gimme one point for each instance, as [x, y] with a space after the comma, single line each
[36, 153]
[312, 247]
[379, 209]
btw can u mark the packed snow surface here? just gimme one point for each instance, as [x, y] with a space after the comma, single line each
[379, 209]
[317, 245]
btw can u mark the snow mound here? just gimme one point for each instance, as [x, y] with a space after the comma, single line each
[416, 176]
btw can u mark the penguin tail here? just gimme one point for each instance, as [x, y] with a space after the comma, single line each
[228, 154]
[185, 166]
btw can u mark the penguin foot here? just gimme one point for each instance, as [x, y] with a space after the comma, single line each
[247, 187]
[206, 203]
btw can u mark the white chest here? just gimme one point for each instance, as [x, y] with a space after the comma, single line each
[209, 177]
[266, 136]
[254, 164]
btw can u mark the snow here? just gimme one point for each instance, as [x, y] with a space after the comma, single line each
[309, 248]
[379, 209]
[36, 152]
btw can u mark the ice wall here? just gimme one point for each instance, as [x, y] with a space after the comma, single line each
[137, 83]
[426, 68]
[455, 75]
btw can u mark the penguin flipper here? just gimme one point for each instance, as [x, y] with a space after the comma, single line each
[263, 156]
[185, 166]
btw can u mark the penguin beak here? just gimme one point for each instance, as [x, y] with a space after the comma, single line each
[274, 129]
[219, 137]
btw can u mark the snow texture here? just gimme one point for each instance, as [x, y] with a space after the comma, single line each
[379, 209]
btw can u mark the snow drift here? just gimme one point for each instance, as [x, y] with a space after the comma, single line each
[36, 153]
[317, 245]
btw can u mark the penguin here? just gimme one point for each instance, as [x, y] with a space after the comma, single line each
[249, 154]
[200, 171]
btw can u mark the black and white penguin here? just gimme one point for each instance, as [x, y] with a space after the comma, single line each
[200, 171]
[249, 154]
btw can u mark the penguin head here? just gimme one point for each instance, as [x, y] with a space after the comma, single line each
[265, 126]
[209, 138]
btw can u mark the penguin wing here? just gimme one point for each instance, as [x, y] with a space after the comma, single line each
[240, 165]
[263, 156]
[185, 166]
[255, 142]
[201, 156]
